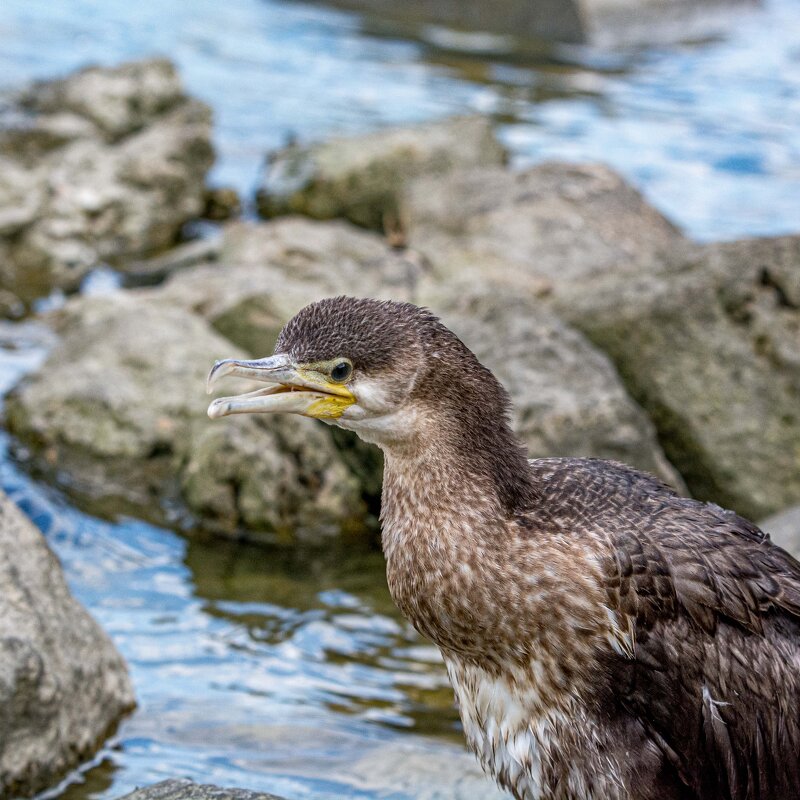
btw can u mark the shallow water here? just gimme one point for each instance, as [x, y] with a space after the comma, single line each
[709, 131]
[292, 671]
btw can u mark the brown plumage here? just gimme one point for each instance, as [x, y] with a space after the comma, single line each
[605, 637]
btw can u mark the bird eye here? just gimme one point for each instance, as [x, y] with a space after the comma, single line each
[341, 371]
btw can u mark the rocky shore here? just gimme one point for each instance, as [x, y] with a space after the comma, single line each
[616, 336]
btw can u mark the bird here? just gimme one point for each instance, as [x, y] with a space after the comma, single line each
[605, 637]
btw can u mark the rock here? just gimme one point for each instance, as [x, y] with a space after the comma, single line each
[611, 24]
[11, 307]
[359, 177]
[63, 685]
[190, 254]
[568, 398]
[188, 790]
[265, 273]
[116, 415]
[784, 528]
[270, 479]
[117, 166]
[20, 203]
[598, 22]
[709, 347]
[221, 204]
[118, 100]
[537, 230]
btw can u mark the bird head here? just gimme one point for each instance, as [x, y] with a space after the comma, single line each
[384, 369]
[394, 374]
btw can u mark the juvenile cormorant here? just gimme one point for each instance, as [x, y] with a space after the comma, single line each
[606, 639]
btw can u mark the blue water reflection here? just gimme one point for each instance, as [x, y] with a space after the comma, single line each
[709, 131]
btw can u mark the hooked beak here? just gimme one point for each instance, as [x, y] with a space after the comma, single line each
[293, 389]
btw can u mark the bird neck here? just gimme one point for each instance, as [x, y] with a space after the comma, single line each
[476, 463]
[457, 564]
[469, 456]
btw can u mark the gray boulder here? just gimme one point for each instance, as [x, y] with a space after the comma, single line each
[359, 177]
[263, 274]
[117, 415]
[784, 528]
[188, 790]
[568, 399]
[103, 166]
[118, 101]
[709, 346]
[63, 685]
[538, 230]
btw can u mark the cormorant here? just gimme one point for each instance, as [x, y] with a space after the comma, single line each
[606, 639]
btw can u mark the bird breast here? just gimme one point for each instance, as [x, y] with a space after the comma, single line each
[537, 746]
[480, 585]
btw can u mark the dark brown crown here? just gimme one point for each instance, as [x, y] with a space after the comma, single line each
[373, 334]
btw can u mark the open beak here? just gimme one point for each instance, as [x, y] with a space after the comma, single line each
[292, 389]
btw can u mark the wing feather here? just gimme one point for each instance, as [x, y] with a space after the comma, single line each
[715, 608]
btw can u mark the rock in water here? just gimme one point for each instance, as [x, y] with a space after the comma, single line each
[63, 685]
[539, 230]
[360, 177]
[119, 409]
[188, 790]
[104, 165]
[568, 399]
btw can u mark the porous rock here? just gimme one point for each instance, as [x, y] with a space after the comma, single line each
[117, 100]
[537, 230]
[568, 399]
[709, 346]
[265, 273]
[117, 416]
[102, 166]
[63, 685]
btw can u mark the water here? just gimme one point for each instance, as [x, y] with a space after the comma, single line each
[709, 131]
[291, 671]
